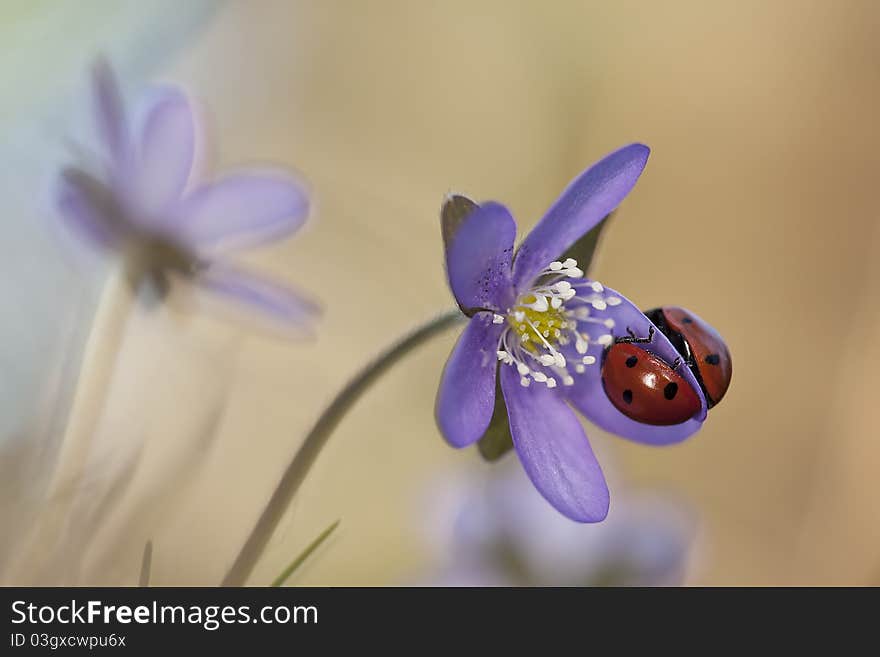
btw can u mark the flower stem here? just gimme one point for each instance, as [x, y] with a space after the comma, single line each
[305, 554]
[305, 456]
[98, 367]
[91, 388]
[146, 565]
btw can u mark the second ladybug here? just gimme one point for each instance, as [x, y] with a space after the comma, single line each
[647, 389]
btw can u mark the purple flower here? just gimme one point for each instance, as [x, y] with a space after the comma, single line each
[547, 326]
[495, 530]
[143, 200]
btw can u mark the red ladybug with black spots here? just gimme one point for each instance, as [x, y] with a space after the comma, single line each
[647, 389]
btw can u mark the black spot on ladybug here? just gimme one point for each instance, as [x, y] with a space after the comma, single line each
[687, 320]
[713, 359]
[670, 390]
[628, 396]
[631, 361]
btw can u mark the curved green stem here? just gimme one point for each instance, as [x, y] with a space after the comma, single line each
[302, 461]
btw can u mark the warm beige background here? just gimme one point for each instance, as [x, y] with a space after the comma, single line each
[757, 210]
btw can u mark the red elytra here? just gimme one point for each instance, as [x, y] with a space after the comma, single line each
[646, 388]
[700, 345]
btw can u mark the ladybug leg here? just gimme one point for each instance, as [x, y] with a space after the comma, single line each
[676, 362]
[634, 339]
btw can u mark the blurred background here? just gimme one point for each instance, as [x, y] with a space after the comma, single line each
[756, 210]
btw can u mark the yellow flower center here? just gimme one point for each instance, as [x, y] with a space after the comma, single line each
[532, 325]
[550, 319]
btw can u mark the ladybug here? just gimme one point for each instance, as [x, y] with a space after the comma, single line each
[643, 386]
[700, 345]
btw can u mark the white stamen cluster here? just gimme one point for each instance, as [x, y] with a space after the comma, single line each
[539, 323]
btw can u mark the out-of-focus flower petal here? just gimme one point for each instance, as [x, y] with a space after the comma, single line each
[644, 541]
[109, 110]
[478, 259]
[584, 203]
[242, 210]
[554, 449]
[165, 153]
[589, 397]
[258, 293]
[483, 524]
[84, 205]
[466, 398]
[650, 541]
[464, 572]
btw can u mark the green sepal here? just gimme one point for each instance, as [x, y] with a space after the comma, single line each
[584, 250]
[455, 210]
[497, 441]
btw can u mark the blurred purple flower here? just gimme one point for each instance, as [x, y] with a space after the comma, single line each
[498, 531]
[144, 202]
[547, 325]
